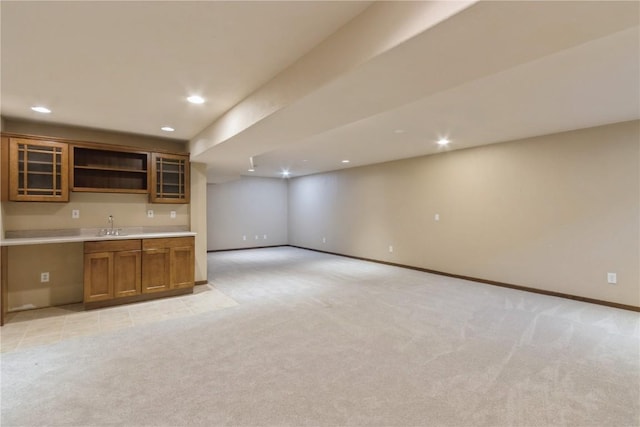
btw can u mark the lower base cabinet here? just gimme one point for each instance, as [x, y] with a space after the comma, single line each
[156, 272]
[111, 269]
[127, 267]
[98, 276]
[121, 271]
[167, 264]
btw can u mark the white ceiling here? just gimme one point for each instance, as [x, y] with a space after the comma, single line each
[592, 84]
[492, 72]
[130, 65]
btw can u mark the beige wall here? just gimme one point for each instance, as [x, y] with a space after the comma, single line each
[555, 212]
[129, 210]
[1, 204]
[199, 217]
[64, 261]
[247, 207]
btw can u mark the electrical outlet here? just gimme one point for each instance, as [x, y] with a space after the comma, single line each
[44, 277]
[257, 237]
[324, 240]
[173, 214]
[264, 237]
[390, 249]
[150, 213]
[436, 217]
[612, 278]
[75, 213]
[244, 237]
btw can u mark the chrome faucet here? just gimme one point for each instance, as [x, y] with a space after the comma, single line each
[110, 231]
[110, 221]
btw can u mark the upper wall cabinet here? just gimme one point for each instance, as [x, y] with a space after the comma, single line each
[38, 170]
[101, 170]
[169, 178]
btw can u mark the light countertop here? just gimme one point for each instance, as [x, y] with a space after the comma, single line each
[42, 237]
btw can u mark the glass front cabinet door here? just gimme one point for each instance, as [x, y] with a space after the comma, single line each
[169, 178]
[38, 171]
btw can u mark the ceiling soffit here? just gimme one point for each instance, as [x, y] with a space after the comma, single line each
[473, 43]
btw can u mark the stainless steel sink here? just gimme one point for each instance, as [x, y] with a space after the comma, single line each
[111, 232]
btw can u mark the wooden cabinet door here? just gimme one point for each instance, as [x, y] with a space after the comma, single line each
[38, 171]
[169, 178]
[156, 270]
[127, 273]
[98, 276]
[182, 267]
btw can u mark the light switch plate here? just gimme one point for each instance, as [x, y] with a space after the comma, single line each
[75, 213]
[173, 214]
[150, 213]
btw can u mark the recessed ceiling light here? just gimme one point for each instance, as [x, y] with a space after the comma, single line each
[345, 161]
[285, 173]
[305, 160]
[195, 99]
[399, 131]
[167, 128]
[41, 109]
[443, 141]
[251, 170]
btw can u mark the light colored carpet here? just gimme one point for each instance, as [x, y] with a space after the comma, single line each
[322, 340]
[30, 328]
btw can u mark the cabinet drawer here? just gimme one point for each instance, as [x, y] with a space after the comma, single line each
[169, 242]
[112, 246]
